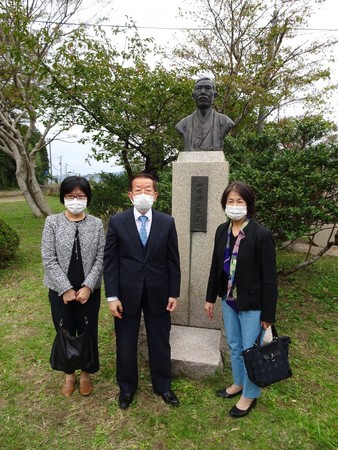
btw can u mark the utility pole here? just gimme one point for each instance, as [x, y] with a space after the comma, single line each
[60, 163]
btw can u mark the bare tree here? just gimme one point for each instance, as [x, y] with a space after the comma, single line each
[257, 56]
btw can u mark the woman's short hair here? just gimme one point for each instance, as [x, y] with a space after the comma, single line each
[245, 191]
[142, 175]
[73, 182]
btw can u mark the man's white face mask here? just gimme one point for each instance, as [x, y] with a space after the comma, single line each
[143, 202]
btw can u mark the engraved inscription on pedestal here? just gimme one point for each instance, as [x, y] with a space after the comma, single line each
[199, 204]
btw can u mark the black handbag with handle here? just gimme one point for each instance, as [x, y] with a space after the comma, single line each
[70, 353]
[268, 363]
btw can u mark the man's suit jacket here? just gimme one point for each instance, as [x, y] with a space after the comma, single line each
[256, 275]
[128, 267]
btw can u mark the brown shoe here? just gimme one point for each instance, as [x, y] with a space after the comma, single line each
[86, 387]
[68, 388]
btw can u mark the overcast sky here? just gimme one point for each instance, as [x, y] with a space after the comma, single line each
[156, 18]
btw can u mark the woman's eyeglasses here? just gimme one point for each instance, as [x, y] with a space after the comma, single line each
[73, 197]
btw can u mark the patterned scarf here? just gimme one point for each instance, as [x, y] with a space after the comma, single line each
[230, 263]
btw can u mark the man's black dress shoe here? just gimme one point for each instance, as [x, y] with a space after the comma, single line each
[236, 412]
[169, 397]
[224, 394]
[125, 400]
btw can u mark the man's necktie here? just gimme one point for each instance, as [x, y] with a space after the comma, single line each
[143, 231]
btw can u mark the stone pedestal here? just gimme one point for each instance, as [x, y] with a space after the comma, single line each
[197, 344]
[195, 246]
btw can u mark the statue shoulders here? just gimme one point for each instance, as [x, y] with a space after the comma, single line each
[182, 125]
[224, 119]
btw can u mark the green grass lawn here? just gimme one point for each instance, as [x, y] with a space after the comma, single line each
[298, 413]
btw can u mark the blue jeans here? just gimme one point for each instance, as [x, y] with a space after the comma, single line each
[241, 331]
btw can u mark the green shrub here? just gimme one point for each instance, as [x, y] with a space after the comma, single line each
[292, 166]
[9, 242]
[109, 195]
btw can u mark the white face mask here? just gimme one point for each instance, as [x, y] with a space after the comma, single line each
[76, 206]
[143, 202]
[236, 212]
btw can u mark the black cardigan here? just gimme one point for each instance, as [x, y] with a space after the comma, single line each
[256, 274]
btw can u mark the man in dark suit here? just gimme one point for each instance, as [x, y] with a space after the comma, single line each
[142, 272]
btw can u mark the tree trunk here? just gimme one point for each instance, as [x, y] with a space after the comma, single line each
[261, 119]
[29, 186]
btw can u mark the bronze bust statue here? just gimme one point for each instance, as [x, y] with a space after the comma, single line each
[204, 129]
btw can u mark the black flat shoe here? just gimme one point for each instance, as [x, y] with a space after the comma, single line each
[224, 394]
[169, 398]
[125, 400]
[236, 412]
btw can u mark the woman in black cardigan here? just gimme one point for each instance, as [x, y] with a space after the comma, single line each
[243, 272]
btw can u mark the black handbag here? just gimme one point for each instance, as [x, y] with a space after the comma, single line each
[268, 363]
[70, 353]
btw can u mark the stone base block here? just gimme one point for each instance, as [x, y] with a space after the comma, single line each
[196, 246]
[195, 352]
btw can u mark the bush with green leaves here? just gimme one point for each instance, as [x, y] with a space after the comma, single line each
[293, 167]
[9, 243]
[163, 202]
[109, 195]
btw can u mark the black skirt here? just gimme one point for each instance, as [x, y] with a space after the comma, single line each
[73, 318]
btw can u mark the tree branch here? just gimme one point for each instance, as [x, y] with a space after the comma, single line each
[308, 262]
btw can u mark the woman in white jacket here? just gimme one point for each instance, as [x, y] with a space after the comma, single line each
[72, 254]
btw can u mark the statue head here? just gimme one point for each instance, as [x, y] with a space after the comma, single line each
[204, 93]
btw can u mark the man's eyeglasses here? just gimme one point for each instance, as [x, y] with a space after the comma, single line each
[78, 197]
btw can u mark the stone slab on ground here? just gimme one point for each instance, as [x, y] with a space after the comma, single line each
[195, 352]
[327, 232]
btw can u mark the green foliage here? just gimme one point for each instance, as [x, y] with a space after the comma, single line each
[22, 81]
[163, 202]
[9, 243]
[109, 195]
[42, 165]
[7, 172]
[129, 109]
[294, 172]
